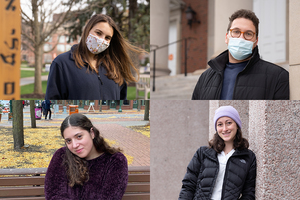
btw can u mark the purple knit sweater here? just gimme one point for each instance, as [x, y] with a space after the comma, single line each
[108, 175]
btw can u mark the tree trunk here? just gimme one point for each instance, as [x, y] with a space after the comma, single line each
[32, 114]
[132, 13]
[38, 70]
[146, 114]
[38, 49]
[18, 132]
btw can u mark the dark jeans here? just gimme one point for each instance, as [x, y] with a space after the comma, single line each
[46, 113]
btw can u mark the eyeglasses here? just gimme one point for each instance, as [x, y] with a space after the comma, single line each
[235, 33]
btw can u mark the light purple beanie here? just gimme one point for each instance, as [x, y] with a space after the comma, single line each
[227, 111]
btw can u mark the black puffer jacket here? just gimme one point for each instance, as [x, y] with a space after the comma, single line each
[260, 80]
[202, 172]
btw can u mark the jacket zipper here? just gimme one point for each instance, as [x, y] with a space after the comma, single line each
[238, 77]
[101, 83]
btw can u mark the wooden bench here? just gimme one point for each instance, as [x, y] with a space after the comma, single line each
[31, 186]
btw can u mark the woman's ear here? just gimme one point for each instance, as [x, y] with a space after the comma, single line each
[92, 133]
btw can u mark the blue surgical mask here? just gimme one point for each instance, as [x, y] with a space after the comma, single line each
[239, 48]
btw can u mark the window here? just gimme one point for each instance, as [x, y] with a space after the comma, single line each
[47, 47]
[61, 48]
[62, 39]
[68, 47]
[47, 58]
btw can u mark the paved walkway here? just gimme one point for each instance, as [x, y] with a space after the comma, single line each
[174, 87]
[113, 125]
[29, 80]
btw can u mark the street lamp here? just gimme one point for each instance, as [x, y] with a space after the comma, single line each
[190, 15]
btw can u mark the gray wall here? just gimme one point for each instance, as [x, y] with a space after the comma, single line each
[178, 129]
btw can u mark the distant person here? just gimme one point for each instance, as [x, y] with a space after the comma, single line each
[43, 108]
[47, 109]
[239, 72]
[226, 169]
[97, 68]
[87, 168]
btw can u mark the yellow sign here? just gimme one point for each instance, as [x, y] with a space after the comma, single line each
[10, 49]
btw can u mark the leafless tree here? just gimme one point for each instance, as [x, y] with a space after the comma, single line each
[37, 28]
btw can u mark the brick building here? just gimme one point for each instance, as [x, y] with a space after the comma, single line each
[58, 42]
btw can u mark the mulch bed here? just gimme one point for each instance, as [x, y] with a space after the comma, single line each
[33, 96]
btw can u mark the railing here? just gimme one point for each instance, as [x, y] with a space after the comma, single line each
[166, 45]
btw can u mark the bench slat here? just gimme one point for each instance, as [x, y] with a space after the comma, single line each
[145, 196]
[20, 181]
[138, 187]
[24, 198]
[21, 191]
[139, 178]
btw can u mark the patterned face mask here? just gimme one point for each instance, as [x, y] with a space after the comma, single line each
[96, 45]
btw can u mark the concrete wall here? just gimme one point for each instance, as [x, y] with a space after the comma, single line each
[159, 35]
[294, 50]
[178, 129]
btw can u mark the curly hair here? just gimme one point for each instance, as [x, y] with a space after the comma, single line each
[247, 14]
[76, 167]
[116, 58]
[240, 143]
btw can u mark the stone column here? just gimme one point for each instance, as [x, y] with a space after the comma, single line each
[159, 35]
[294, 50]
[178, 129]
[274, 137]
[223, 9]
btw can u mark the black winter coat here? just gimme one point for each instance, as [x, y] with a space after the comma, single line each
[259, 80]
[67, 81]
[202, 172]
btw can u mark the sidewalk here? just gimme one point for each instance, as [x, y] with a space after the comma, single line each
[174, 87]
[29, 80]
[113, 125]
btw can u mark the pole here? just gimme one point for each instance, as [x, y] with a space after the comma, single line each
[154, 54]
[185, 59]
[121, 103]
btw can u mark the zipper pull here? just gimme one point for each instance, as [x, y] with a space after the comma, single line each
[100, 79]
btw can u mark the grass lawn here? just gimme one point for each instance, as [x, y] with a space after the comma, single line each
[28, 89]
[131, 93]
[26, 73]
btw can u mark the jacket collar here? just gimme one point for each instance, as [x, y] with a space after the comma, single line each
[219, 63]
[212, 154]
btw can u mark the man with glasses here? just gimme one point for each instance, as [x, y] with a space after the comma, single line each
[239, 73]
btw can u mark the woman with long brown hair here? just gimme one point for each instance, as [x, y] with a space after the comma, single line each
[87, 168]
[99, 67]
[227, 168]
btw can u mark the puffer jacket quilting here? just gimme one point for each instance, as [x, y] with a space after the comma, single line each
[259, 80]
[202, 173]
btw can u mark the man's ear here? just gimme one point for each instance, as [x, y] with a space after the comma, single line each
[255, 44]
[226, 38]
